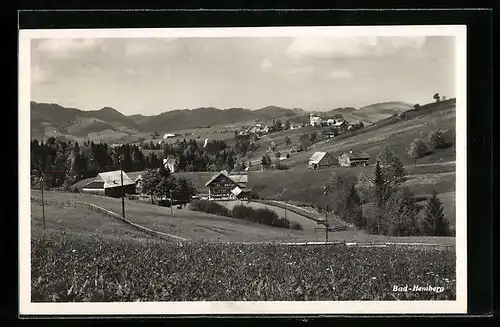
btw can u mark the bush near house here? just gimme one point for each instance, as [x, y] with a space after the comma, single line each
[209, 207]
[263, 216]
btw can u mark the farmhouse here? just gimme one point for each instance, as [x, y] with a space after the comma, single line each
[341, 124]
[109, 184]
[321, 160]
[315, 120]
[352, 159]
[167, 136]
[225, 186]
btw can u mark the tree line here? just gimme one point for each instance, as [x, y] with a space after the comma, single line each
[64, 162]
[382, 204]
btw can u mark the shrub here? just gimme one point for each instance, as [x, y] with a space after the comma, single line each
[296, 226]
[209, 207]
[418, 149]
[280, 166]
[437, 139]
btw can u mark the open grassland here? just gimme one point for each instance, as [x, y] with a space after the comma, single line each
[199, 226]
[191, 225]
[76, 220]
[92, 269]
[303, 186]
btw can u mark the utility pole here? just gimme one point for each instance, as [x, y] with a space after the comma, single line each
[281, 199]
[123, 191]
[325, 189]
[43, 202]
[171, 204]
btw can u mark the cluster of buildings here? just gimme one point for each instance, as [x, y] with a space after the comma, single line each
[340, 124]
[321, 160]
[222, 185]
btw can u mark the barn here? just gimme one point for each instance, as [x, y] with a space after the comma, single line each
[321, 160]
[109, 184]
[351, 159]
[225, 186]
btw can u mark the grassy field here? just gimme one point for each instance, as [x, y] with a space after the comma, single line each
[198, 226]
[79, 221]
[156, 271]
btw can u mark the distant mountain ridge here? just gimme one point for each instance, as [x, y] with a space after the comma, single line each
[71, 121]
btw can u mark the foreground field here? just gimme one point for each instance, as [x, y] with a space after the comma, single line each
[76, 269]
[78, 221]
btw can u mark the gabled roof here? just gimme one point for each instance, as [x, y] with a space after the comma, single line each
[317, 156]
[113, 179]
[95, 184]
[170, 161]
[357, 155]
[135, 175]
[238, 179]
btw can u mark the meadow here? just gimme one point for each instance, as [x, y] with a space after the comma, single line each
[71, 268]
[203, 227]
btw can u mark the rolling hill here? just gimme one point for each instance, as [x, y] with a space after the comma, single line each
[372, 113]
[48, 119]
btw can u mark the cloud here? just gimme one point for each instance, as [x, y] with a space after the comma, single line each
[340, 74]
[38, 75]
[266, 65]
[350, 47]
[301, 70]
[65, 48]
[148, 46]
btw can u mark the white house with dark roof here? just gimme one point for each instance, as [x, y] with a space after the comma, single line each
[226, 186]
[352, 158]
[110, 184]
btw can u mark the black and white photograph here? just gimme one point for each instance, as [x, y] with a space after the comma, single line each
[286, 170]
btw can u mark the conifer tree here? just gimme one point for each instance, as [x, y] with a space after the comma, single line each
[435, 223]
[354, 208]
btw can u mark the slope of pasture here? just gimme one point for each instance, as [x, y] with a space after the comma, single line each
[305, 186]
[394, 132]
[78, 220]
[197, 226]
[306, 223]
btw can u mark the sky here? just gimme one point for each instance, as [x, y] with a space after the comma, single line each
[153, 75]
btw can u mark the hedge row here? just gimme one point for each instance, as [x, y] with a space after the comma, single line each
[263, 216]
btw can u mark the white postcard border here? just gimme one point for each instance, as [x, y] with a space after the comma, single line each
[26, 307]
